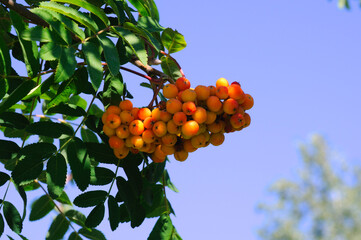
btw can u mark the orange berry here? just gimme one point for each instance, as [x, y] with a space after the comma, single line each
[160, 129]
[240, 110]
[230, 106]
[182, 83]
[235, 91]
[108, 131]
[212, 90]
[121, 152]
[149, 122]
[216, 139]
[148, 136]
[128, 142]
[137, 142]
[190, 128]
[167, 149]
[248, 102]
[198, 141]
[134, 112]
[165, 116]
[222, 92]
[143, 113]
[200, 115]
[237, 120]
[126, 105]
[122, 131]
[222, 82]
[214, 104]
[126, 117]
[156, 114]
[157, 160]
[169, 139]
[115, 142]
[136, 127]
[211, 117]
[159, 153]
[202, 92]
[174, 105]
[187, 146]
[189, 108]
[181, 155]
[173, 128]
[179, 118]
[113, 120]
[216, 127]
[104, 117]
[170, 91]
[113, 109]
[189, 95]
[247, 119]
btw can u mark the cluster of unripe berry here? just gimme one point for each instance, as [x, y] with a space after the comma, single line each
[190, 119]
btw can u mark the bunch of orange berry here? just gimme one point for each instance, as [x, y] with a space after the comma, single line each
[190, 119]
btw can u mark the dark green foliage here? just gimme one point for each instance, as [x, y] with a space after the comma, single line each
[40, 208]
[12, 217]
[96, 216]
[56, 170]
[91, 198]
[58, 228]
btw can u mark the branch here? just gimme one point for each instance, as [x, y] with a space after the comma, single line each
[23, 11]
[150, 71]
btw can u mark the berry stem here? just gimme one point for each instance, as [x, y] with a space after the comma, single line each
[175, 61]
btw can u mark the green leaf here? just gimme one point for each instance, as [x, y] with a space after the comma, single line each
[168, 182]
[12, 217]
[113, 90]
[153, 10]
[94, 65]
[29, 49]
[56, 170]
[113, 213]
[101, 153]
[66, 66]
[79, 163]
[40, 208]
[135, 209]
[2, 225]
[67, 109]
[27, 170]
[5, 60]
[141, 7]
[170, 68]
[64, 199]
[101, 176]
[74, 236]
[49, 129]
[164, 229]
[88, 135]
[58, 228]
[57, 27]
[96, 216]
[71, 13]
[134, 42]
[110, 53]
[81, 81]
[92, 234]
[150, 24]
[4, 87]
[3, 178]
[38, 33]
[20, 92]
[173, 40]
[38, 150]
[23, 196]
[90, 7]
[154, 171]
[8, 148]
[154, 200]
[118, 10]
[76, 217]
[91, 198]
[41, 88]
[68, 23]
[50, 51]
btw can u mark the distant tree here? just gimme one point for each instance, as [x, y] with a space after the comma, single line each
[322, 204]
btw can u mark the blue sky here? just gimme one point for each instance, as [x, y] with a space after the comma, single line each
[300, 60]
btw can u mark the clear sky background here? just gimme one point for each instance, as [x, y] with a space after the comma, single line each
[301, 62]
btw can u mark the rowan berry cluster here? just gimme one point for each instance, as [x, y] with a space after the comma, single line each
[190, 119]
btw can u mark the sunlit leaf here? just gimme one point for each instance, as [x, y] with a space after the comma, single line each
[173, 40]
[94, 65]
